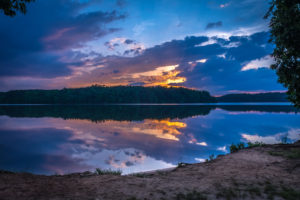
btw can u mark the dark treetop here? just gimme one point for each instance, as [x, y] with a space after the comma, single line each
[102, 94]
[285, 31]
[129, 94]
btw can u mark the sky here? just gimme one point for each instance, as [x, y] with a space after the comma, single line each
[216, 45]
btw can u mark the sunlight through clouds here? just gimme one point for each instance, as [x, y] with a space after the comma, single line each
[264, 62]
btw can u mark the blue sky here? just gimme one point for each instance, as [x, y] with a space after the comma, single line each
[216, 45]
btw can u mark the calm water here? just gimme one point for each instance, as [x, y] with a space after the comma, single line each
[133, 138]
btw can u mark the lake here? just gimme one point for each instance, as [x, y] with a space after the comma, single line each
[47, 139]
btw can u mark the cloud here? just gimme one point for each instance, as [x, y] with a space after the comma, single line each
[47, 52]
[138, 29]
[291, 135]
[80, 29]
[199, 66]
[214, 25]
[224, 5]
[223, 148]
[200, 159]
[264, 62]
[124, 46]
[194, 62]
[166, 54]
[121, 3]
[47, 142]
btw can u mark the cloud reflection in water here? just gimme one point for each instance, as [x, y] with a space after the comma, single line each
[40, 142]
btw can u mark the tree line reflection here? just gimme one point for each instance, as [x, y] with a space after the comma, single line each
[98, 113]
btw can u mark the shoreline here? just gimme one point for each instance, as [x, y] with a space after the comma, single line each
[263, 103]
[263, 172]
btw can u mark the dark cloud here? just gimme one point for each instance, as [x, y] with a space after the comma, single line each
[221, 76]
[42, 146]
[214, 25]
[80, 29]
[121, 3]
[34, 65]
[47, 52]
[128, 41]
[165, 54]
[221, 73]
[38, 43]
[135, 51]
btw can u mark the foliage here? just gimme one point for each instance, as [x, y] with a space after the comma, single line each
[210, 158]
[290, 154]
[10, 7]
[108, 172]
[101, 94]
[285, 192]
[261, 97]
[284, 140]
[227, 193]
[289, 193]
[132, 198]
[255, 144]
[237, 147]
[285, 29]
[191, 196]
[182, 164]
[241, 145]
[254, 191]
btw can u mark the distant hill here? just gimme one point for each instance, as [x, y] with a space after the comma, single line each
[130, 94]
[260, 97]
[102, 94]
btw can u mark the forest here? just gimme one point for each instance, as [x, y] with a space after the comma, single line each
[102, 94]
[129, 94]
[259, 97]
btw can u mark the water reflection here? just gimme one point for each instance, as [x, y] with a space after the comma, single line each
[64, 139]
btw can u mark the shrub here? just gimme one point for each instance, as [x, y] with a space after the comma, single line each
[191, 196]
[237, 147]
[108, 172]
[255, 144]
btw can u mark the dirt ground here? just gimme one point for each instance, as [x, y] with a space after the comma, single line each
[264, 172]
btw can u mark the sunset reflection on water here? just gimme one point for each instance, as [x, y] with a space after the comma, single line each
[48, 143]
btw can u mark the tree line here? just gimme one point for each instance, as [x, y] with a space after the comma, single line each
[102, 94]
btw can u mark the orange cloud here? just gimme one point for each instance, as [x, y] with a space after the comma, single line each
[160, 76]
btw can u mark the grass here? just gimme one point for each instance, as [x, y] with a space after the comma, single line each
[108, 172]
[254, 191]
[227, 193]
[140, 175]
[290, 154]
[236, 147]
[286, 193]
[181, 164]
[132, 198]
[255, 144]
[266, 190]
[289, 193]
[191, 196]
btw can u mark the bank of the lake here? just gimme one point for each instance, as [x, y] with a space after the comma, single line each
[263, 172]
